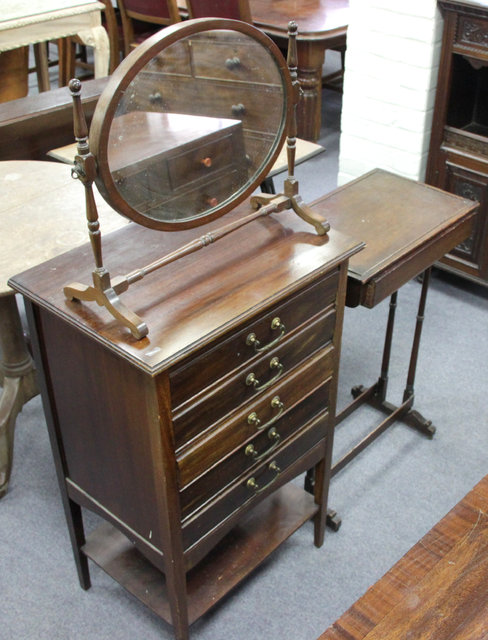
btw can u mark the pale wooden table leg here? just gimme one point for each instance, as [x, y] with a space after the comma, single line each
[98, 39]
[19, 382]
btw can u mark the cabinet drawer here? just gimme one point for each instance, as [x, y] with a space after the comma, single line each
[262, 446]
[271, 409]
[266, 475]
[183, 202]
[204, 160]
[194, 96]
[223, 59]
[251, 381]
[212, 364]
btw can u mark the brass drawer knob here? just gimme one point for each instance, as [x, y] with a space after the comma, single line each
[253, 419]
[155, 98]
[252, 381]
[207, 162]
[238, 110]
[252, 341]
[254, 486]
[232, 63]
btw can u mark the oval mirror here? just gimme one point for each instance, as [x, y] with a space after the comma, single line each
[191, 122]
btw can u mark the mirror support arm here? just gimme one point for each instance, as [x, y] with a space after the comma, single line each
[102, 292]
[291, 183]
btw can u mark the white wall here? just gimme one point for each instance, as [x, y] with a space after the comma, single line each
[392, 61]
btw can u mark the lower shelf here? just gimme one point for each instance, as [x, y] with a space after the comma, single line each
[234, 558]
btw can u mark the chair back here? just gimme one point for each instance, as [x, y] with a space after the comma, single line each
[155, 12]
[233, 9]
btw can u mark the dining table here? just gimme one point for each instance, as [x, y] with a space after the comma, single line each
[322, 25]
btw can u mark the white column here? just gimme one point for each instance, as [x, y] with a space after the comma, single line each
[390, 79]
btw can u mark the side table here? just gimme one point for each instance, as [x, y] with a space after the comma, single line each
[406, 226]
[35, 225]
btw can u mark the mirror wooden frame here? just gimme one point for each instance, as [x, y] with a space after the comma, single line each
[91, 165]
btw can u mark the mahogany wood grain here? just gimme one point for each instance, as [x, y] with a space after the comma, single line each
[234, 465]
[298, 393]
[192, 298]
[14, 74]
[224, 504]
[404, 233]
[191, 377]
[232, 392]
[437, 590]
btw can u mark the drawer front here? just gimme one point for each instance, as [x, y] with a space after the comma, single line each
[175, 59]
[261, 447]
[271, 409]
[254, 485]
[184, 202]
[210, 365]
[244, 103]
[222, 59]
[253, 380]
[241, 102]
[205, 160]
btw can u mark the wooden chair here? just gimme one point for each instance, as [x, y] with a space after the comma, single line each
[142, 18]
[233, 9]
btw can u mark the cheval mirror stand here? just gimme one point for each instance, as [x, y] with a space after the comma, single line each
[180, 414]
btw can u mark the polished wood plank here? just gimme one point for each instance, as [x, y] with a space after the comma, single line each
[437, 590]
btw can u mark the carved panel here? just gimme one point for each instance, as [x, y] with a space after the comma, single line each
[466, 141]
[472, 32]
[473, 187]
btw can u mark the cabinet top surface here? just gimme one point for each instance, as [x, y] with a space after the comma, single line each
[192, 301]
[395, 217]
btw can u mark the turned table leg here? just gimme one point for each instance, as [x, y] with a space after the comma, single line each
[309, 110]
[19, 383]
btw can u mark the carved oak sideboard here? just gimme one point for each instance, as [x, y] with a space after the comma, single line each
[458, 156]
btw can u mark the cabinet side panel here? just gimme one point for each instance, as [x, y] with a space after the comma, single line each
[103, 408]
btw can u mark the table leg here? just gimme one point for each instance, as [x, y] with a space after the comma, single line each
[309, 111]
[97, 38]
[42, 66]
[376, 394]
[19, 383]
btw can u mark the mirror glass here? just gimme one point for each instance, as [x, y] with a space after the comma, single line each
[197, 125]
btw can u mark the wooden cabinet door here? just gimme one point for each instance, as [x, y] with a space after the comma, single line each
[471, 256]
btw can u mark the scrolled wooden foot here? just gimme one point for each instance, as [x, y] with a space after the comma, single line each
[109, 299]
[417, 421]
